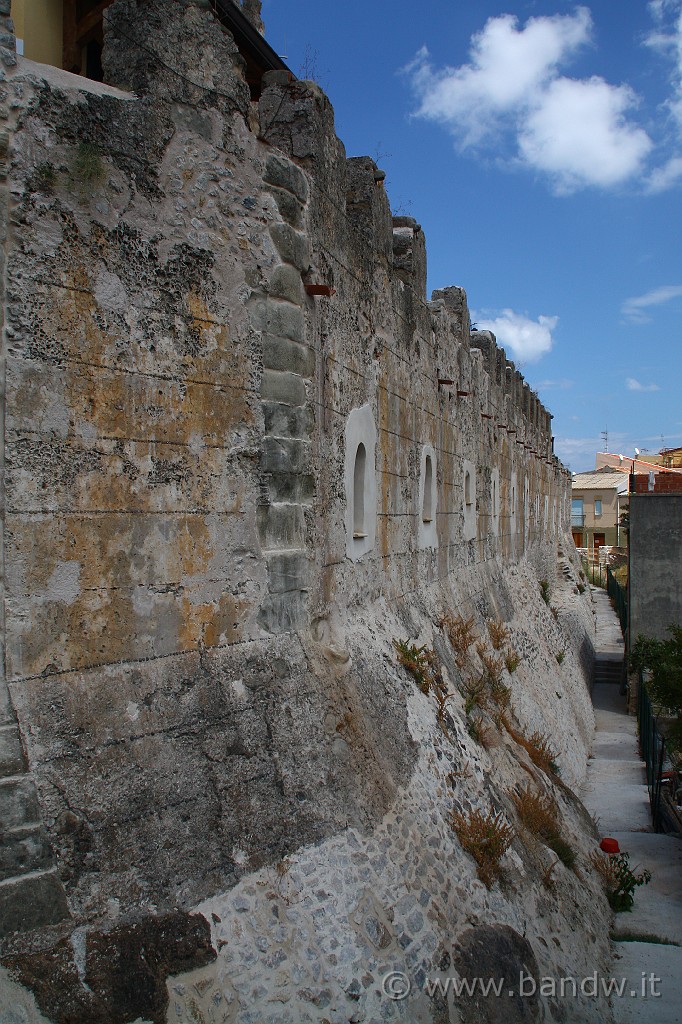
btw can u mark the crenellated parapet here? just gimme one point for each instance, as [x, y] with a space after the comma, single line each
[238, 437]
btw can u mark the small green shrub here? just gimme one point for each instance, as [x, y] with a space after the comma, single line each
[560, 655]
[487, 837]
[511, 660]
[619, 879]
[417, 662]
[480, 731]
[544, 591]
[634, 936]
[475, 694]
[44, 178]
[663, 658]
[88, 166]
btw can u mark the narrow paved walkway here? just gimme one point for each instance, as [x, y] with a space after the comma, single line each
[615, 793]
[609, 649]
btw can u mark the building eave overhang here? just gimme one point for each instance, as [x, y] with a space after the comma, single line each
[247, 37]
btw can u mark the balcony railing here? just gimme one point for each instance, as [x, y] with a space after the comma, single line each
[577, 519]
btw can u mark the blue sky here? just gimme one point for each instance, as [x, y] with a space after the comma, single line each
[539, 145]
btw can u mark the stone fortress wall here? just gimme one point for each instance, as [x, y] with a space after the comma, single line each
[243, 454]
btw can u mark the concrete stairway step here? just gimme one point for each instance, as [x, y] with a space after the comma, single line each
[31, 901]
[608, 673]
[11, 754]
[23, 850]
[18, 802]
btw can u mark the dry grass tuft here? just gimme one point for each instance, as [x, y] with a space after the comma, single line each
[540, 815]
[499, 634]
[460, 633]
[481, 732]
[487, 837]
[539, 749]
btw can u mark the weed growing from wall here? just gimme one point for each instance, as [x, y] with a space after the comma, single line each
[540, 815]
[88, 167]
[461, 635]
[499, 634]
[417, 662]
[544, 591]
[43, 179]
[540, 750]
[511, 660]
[487, 837]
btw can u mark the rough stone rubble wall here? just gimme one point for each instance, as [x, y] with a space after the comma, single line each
[204, 681]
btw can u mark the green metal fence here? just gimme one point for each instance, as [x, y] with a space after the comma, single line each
[652, 744]
[619, 596]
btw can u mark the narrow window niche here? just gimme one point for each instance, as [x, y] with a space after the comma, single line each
[359, 475]
[427, 534]
[526, 512]
[360, 483]
[469, 500]
[513, 504]
[495, 502]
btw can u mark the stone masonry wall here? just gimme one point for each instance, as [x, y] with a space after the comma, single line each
[208, 311]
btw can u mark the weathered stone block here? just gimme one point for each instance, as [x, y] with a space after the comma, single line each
[24, 850]
[285, 283]
[283, 354]
[288, 421]
[6, 710]
[281, 526]
[283, 612]
[289, 207]
[284, 174]
[288, 571]
[279, 318]
[282, 386]
[18, 802]
[292, 246]
[32, 902]
[285, 455]
[11, 755]
[298, 487]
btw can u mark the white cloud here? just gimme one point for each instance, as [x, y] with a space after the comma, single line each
[582, 449]
[661, 179]
[634, 385]
[507, 68]
[578, 134]
[666, 38]
[634, 309]
[556, 385]
[574, 131]
[527, 339]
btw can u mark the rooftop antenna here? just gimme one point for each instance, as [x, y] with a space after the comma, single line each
[605, 438]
